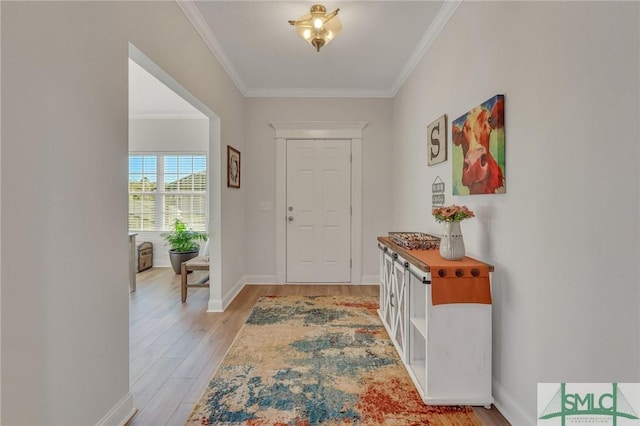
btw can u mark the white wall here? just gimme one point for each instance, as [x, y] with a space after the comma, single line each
[564, 238]
[64, 310]
[258, 170]
[167, 135]
[0, 222]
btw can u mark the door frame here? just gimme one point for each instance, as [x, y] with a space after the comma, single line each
[346, 130]
[214, 165]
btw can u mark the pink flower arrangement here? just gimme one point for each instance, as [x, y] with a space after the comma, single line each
[452, 213]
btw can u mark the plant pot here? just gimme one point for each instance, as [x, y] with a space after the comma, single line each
[182, 256]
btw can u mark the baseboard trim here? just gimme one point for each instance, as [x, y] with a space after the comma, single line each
[370, 280]
[260, 279]
[271, 279]
[219, 305]
[215, 305]
[121, 413]
[238, 286]
[511, 411]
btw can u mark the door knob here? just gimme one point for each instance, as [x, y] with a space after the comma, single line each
[290, 218]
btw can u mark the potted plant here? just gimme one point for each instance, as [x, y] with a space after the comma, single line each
[183, 243]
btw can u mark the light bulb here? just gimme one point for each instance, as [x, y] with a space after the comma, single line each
[306, 34]
[317, 23]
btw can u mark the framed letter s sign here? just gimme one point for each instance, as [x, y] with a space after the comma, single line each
[437, 141]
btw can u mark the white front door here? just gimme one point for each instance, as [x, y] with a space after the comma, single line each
[318, 211]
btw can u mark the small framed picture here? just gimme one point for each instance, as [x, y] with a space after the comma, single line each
[437, 141]
[233, 167]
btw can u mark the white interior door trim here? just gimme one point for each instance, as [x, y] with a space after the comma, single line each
[318, 130]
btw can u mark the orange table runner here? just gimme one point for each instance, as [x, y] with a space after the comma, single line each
[452, 281]
[460, 284]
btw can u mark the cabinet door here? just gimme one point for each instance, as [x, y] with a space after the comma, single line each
[386, 288]
[399, 298]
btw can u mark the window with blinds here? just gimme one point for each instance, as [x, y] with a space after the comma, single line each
[166, 187]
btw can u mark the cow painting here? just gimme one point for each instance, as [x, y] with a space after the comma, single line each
[478, 149]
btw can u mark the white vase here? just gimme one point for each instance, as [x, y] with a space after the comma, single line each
[451, 243]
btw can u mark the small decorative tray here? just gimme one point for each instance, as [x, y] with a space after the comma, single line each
[415, 240]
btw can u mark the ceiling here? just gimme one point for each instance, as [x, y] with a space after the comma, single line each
[380, 43]
[150, 98]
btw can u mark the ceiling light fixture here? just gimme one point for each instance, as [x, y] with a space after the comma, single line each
[318, 27]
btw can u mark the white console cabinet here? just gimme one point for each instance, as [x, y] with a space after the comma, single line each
[445, 348]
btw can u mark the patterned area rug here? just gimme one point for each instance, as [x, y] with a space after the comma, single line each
[323, 360]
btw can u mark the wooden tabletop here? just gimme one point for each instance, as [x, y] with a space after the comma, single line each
[424, 258]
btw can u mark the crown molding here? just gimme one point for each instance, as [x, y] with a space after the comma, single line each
[193, 14]
[439, 22]
[167, 117]
[441, 19]
[318, 93]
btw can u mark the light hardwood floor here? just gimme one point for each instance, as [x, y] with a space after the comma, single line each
[175, 347]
